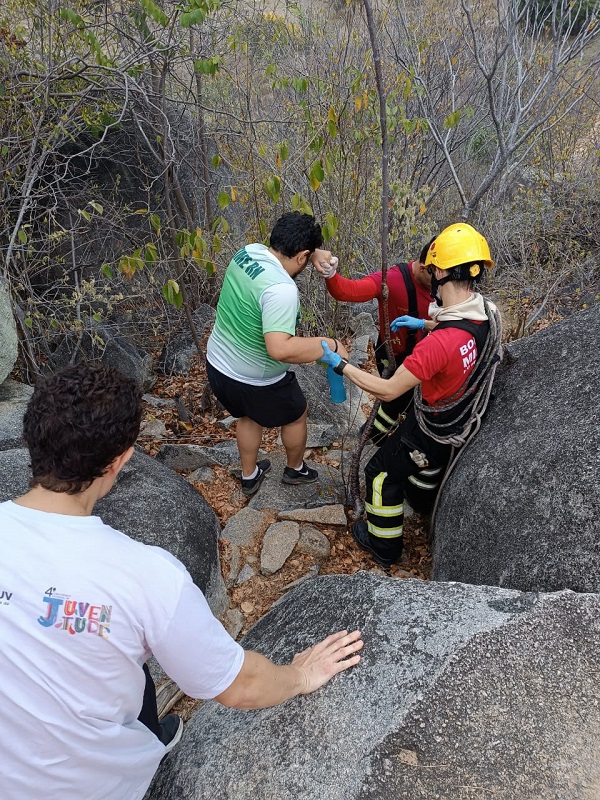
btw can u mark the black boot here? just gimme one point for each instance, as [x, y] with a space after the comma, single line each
[384, 553]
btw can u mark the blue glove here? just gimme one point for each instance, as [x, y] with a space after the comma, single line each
[329, 357]
[411, 323]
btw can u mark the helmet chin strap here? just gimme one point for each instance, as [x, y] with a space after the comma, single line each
[435, 284]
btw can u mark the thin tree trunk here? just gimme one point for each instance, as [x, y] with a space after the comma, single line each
[355, 501]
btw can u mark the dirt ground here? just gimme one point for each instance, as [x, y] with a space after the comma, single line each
[254, 597]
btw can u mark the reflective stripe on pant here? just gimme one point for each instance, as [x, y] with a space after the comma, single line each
[422, 487]
[384, 505]
[390, 414]
[382, 422]
[427, 479]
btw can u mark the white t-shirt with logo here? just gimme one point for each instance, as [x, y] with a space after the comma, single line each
[82, 607]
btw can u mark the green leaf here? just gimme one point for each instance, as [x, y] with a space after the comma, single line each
[96, 206]
[223, 199]
[199, 245]
[141, 211]
[273, 188]
[4, 146]
[155, 12]
[155, 222]
[106, 270]
[224, 225]
[216, 244]
[85, 214]
[172, 294]
[299, 203]
[210, 267]
[331, 222]
[270, 70]
[150, 253]
[28, 322]
[72, 17]
[316, 175]
[207, 66]
[452, 119]
[332, 128]
[284, 151]
[300, 85]
[195, 17]
[216, 160]
[22, 236]
[97, 316]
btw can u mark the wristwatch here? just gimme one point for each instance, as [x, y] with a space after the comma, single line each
[339, 368]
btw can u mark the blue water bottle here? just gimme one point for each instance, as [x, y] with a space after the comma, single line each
[337, 390]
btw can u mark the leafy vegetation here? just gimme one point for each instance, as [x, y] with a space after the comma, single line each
[143, 143]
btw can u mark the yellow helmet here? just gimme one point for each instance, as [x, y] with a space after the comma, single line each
[456, 245]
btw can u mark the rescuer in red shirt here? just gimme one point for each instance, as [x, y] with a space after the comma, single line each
[441, 371]
[409, 294]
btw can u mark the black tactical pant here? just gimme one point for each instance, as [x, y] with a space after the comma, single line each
[391, 474]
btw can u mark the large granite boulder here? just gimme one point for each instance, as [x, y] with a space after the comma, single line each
[14, 397]
[462, 692]
[8, 333]
[521, 509]
[153, 505]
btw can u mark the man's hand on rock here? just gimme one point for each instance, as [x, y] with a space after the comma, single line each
[321, 662]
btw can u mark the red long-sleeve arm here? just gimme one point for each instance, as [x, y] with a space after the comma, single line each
[352, 291]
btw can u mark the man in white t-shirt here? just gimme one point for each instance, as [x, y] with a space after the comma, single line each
[83, 606]
[253, 343]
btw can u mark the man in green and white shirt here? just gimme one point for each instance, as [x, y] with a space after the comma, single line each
[254, 341]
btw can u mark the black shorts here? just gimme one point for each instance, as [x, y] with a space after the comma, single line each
[270, 406]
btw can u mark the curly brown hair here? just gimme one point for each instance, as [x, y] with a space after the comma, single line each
[77, 422]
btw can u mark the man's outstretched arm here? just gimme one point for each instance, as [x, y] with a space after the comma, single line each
[357, 290]
[386, 389]
[299, 349]
[261, 684]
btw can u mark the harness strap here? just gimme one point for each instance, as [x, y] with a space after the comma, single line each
[413, 311]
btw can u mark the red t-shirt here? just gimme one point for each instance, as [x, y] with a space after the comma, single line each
[369, 288]
[442, 362]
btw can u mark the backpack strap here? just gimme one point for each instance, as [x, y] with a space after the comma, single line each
[413, 311]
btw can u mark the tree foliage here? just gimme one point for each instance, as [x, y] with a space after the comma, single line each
[142, 143]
